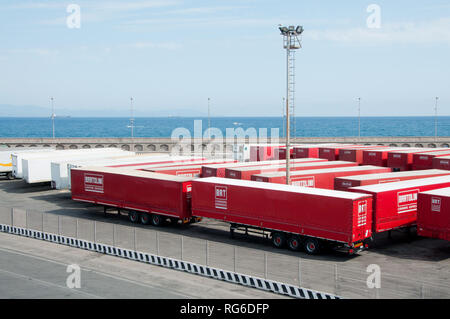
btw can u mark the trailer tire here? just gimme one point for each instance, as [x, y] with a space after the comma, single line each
[10, 176]
[312, 246]
[133, 216]
[294, 243]
[144, 218]
[278, 240]
[156, 220]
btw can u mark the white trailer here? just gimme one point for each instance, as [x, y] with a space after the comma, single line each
[6, 157]
[60, 172]
[37, 168]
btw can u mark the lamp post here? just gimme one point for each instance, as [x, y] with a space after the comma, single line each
[291, 42]
[53, 117]
[359, 119]
[435, 118]
[132, 123]
[209, 118]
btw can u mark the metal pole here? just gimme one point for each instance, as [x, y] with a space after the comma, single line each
[234, 258]
[157, 243]
[359, 119]
[336, 279]
[206, 253]
[182, 247]
[265, 265]
[283, 119]
[299, 272]
[288, 126]
[132, 124]
[114, 234]
[134, 228]
[209, 119]
[53, 117]
[435, 118]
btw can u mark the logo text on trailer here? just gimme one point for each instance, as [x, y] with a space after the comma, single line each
[407, 201]
[304, 181]
[188, 173]
[93, 183]
[435, 204]
[362, 213]
[221, 197]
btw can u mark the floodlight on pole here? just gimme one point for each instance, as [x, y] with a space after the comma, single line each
[291, 42]
[53, 117]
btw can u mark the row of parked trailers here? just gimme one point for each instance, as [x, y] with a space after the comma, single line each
[398, 158]
[253, 197]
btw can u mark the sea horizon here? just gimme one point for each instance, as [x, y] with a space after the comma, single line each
[344, 126]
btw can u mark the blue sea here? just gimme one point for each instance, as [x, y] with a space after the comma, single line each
[163, 126]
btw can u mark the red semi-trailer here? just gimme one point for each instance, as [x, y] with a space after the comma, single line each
[378, 157]
[179, 169]
[182, 170]
[247, 172]
[318, 178]
[296, 216]
[309, 151]
[149, 197]
[425, 160]
[264, 152]
[331, 153]
[355, 154]
[395, 204]
[433, 214]
[168, 161]
[170, 164]
[345, 182]
[218, 170]
[402, 160]
[441, 162]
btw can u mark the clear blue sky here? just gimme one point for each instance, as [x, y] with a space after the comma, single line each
[171, 55]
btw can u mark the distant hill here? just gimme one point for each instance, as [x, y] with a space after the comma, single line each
[39, 111]
[23, 111]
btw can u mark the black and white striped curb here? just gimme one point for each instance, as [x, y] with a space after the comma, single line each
[245, 280]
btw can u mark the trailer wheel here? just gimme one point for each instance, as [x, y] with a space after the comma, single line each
[156, 220]
[312, 246]
[278, 240]
[144, 218]
[133, 216]
[10, 176]
[294, 243]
